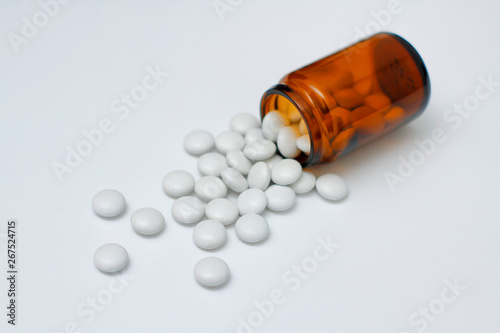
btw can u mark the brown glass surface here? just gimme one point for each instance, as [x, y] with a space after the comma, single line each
[353, 96]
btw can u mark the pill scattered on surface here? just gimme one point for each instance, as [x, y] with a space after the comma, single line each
[209, 188]
[271, 161]
[111, 258]
[251, 201]
[259, 176]
[252, 228]
[304, 144]
[243, 122]
[234, 180]
[280, 198]
[229, 140]
[259, 150]
[254, 134]
[211, 272]
[147, 221]
[108, 203]
[286, 142]
[187, 210]
[199, 142]
[209, 234]
[178, 183]
[305, 183]
[237, 160]
[222, 210]
[331, 187]
[272, 123]
[286, 172]
[211, 164]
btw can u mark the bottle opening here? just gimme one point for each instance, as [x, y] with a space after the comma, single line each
[298, 136]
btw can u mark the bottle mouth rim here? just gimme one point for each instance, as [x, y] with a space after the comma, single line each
[285, 91]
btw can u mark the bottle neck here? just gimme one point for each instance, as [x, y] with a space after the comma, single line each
[309, 107]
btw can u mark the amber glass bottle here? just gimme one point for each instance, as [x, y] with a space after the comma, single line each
[353, 96]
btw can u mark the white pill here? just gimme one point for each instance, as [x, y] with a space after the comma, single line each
[222, 210]
[211, 272]
[234, 180]
[229, 140]
[252, 228]
[294, 115]
[238, 161]
[271, 161]
[272, 123]
[331, 187]
[110, 258]
[251, 201]
[147, 221]
[178, 183]
[259, 176]
[254, 134]
[259, 150]
[209, 188]
[211, 164]
[280, 198]
[302, 127]
[209, 234]
[304, 144]
[286, 172]
[305, 183]
[243, 122]
[188, 210]
[287, 142]
[199, 142]
[108, 203]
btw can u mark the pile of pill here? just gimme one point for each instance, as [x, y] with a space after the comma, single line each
[247, 160]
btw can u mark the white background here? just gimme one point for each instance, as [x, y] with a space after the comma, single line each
[396, 247]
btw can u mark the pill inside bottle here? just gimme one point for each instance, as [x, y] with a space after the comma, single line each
[349, 98]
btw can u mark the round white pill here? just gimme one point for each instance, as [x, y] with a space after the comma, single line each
[259, 176]
[305, 183]
[110, 258]
[331, 187]
[211, 272]
[211, 164]
[234, 180]
[243, 122]
[271, 161]
[108, 203]
[209, 234]
[259, 150]
[222, 210]
[252, 228]
[238, 161]
[209, 188]
[294, 115]
[251, 201]
[199, 142]
[302, 127]
[280, 198]
[254, 134]
[188, 210]
[229, 140]
[178, 183]
[286, 172]
[304, 144]
[272, 123]
[286, 142]
[147, 221]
